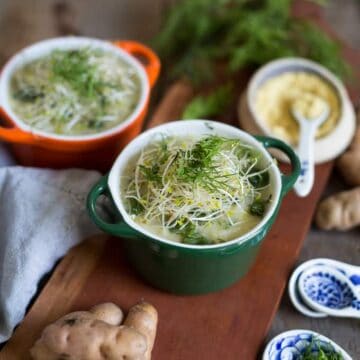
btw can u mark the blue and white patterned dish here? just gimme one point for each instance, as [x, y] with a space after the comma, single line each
[290, 345]
[328, 290]
[350, 271]
[294, 295]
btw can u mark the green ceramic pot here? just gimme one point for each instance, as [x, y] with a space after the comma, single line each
[182, 268]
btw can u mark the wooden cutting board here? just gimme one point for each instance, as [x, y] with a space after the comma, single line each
[230, 324]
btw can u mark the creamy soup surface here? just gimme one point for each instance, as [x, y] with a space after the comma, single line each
[75, 92]
[198, 191]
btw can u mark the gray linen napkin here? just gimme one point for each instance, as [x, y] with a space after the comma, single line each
[42, 215]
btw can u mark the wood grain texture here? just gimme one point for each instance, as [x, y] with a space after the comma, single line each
[177, 96]
[219, 323]
[231, 324]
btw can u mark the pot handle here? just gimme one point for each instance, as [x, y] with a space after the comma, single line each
[120, 228]
[14, 134]
[288, 181]
[138, 50]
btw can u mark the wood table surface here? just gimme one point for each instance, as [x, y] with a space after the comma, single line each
[24, 22]
[190, 327]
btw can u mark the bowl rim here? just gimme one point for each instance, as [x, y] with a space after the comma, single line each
[175, 127]
[257, 79]
[44, 47]
[307, 332]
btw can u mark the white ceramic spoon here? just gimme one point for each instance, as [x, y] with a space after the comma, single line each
[352, 272]
[305, 151]
[329, 291]
[294, 295]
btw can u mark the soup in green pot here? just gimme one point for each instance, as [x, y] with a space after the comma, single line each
[198, 191]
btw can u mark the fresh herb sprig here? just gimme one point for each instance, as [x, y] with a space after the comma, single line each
[190, 234]
[196, 34]
[75, 68]
[189, 187]
[202, 107]
[318, 350]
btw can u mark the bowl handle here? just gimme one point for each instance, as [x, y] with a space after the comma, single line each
[14, 134]
[288, 181]
[152, 62]
[120, 228]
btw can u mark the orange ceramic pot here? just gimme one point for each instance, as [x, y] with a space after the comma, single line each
[32, 147]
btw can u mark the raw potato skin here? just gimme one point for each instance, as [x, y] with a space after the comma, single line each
[98, 335]
[142, 317]
[340, 211]
[349, 163]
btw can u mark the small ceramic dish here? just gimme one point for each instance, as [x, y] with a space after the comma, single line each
[328, 290]
[352, 272]
[290, 345]
[33, 147]
[186, 268]
[327, 147]
[295, 297]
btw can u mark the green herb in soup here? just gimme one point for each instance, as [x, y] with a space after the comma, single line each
[75, 92]
[204, 191]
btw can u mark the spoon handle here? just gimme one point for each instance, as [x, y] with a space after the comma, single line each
[305, 181]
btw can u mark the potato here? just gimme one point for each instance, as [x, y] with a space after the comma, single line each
[98, 335]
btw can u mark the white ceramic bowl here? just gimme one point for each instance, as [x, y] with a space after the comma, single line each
[196, 129]
[33, 147]
[44, 48]
[186, 268]
[286, 345]
[327, 147]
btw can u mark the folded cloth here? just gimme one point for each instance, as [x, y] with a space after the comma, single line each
[42, 215]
